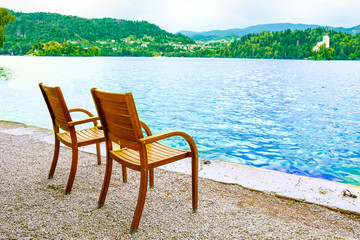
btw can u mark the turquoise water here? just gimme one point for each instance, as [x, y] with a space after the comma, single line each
[300, 117]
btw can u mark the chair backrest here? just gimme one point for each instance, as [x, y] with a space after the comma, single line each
[118, 117]
[57, 107]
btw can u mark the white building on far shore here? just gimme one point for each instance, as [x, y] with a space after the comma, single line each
[326, 41]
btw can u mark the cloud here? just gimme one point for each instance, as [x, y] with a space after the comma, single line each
[185, 14]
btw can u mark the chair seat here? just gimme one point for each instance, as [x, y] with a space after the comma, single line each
[84, 137]
[158, 154]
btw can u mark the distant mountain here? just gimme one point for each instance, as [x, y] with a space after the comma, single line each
[239, 32]
[353, 30]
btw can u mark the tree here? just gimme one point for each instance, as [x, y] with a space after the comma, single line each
[5, 18]
[323, 53]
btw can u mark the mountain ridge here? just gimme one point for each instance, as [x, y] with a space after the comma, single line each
[271, 27]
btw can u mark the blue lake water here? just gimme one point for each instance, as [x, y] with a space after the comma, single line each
[300, 117]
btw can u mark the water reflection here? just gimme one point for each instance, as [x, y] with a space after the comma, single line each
[299, 117]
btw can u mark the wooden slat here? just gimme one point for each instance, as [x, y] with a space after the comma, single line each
[118, 119]
[50, 90]
[122, 126]
[52, 97]
[59, 112]
[114, 97]
[154, 151]
[123, 133]
[166, 149]
[134, 116]
[56, 108]
[62, 125]
[129, 144]
[158, 155]
[60, 118]
[119, 124]
[56, 104]
[113, 104]
[124, 143]
[84, 137]
[128, 155]
[89, 134]
[65, 137]
[114, 138]
[114, 110]
[154, 160]
[129, 163]
[95, 131]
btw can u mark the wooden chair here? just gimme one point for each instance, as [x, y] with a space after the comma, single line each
[60, 116]
[121, 125]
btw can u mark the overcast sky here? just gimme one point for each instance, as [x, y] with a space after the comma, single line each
[203, 15]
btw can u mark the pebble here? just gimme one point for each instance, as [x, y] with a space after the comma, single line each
[34, 207]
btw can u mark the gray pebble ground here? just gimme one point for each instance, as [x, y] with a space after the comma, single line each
[34, 207]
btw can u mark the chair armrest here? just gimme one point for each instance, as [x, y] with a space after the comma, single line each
[168, 134]
[146, 128]
[81, 110]
[85, 120]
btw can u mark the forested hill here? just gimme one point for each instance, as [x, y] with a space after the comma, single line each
[273, 27]
[48, 34]
[32, 28]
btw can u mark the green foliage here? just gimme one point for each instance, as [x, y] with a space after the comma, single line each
[323, 53]
[272, 27]
[296, 44]
[275, 45]
[32, 28]
[65, 49]
[5, 18]
[41, 34]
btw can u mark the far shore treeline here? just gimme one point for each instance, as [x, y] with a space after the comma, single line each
[49, 34]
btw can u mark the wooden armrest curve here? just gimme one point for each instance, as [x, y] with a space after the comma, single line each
[81, 110]
[168, 134]
[146, 128]
[85, 120]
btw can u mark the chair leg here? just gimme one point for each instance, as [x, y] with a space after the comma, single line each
[106, 183]
[140, 202]
[151, 173]
[124, 173]
[55, 158]
[195, 170]
[98, 153]
[74, 164]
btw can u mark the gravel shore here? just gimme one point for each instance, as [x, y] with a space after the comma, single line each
[34, 207]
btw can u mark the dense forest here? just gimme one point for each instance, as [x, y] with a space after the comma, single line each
[34, 28]
[294, 45]
[270, 27]
[286, 44]
[47, 34]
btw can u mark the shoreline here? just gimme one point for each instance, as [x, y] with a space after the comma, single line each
[334, 195]
[36, 207]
